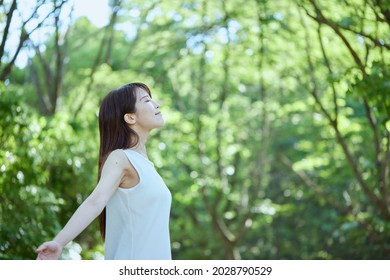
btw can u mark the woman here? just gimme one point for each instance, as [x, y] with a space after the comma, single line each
[131, 198]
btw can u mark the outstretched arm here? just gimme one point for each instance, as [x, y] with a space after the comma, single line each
[112, 174]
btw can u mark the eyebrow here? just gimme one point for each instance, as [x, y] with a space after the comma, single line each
[144, 97]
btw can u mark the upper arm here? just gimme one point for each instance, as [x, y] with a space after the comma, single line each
[113, 171]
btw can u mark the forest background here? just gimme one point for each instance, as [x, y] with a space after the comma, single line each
[277, 135]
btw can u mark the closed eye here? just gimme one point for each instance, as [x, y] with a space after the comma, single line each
[146, 97]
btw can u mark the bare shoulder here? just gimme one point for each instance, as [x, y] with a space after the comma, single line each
[118, 159]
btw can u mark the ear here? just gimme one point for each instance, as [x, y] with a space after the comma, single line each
[129, 118]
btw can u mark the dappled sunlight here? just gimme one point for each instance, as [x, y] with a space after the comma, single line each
[276, 133]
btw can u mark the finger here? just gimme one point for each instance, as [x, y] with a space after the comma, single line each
[43, 256]
[41, 248]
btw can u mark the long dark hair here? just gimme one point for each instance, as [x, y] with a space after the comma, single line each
[115, 133]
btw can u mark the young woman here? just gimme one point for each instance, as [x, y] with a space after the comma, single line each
[131, 197]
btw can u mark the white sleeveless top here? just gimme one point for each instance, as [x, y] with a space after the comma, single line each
[137, 219]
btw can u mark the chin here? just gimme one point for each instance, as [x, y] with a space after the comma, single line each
[159, 124]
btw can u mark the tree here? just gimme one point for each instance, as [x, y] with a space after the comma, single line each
[7, 57]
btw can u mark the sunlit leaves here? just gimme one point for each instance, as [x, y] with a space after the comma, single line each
[243, 131]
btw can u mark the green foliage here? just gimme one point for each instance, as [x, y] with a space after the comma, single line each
[43, 166]
[268, 148]
[375, 88]
[29, 210]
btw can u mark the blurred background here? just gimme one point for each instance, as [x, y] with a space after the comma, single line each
[277, 135]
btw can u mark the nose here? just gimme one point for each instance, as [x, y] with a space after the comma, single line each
[156, 104]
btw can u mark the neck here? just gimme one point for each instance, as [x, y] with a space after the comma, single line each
[140, 147]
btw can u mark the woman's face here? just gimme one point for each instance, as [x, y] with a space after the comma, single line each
[148, 115]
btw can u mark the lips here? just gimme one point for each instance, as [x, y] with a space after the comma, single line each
[159, 113]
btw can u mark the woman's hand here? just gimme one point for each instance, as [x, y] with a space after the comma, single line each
[49, 251]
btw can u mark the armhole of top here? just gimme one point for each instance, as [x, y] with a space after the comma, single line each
[136, 170]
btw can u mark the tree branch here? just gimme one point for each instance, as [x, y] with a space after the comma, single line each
[144, 15]
[6, 29]
[320, 18]
[43, 107]
[370, 194]
[96, 63]
[328, 66]
[24, 35]
[385, 10]
[116, 6]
